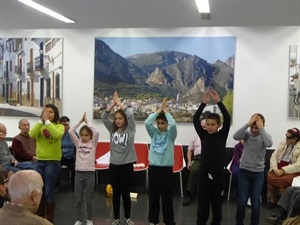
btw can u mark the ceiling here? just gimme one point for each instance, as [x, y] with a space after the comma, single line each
[150, 13]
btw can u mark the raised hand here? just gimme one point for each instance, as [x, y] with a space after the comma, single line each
[116, 98]
[83, 119]
[164, 105]
[109, 108]
[215, 95]
[117, 101]
[252, 119]
[45, 114]
[206, 97]
[259, 122]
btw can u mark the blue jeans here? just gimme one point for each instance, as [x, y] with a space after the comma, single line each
[249, 184]
[49, 170]
[21, 166]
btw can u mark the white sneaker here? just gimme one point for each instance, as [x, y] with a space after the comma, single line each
[249, 202]
[89, 222]
[116, 222]
[128, 222]
[77, 222]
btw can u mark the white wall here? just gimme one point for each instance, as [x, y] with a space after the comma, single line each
[261, 74]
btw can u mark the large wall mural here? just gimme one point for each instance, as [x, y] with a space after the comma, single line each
[144, 70]
[30, 75]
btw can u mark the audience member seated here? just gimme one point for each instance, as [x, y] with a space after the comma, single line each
[193, 166]
[24, 146]
[289, 206]
[292, 221]
[284, 165]
[235, 166]
[3, 187]
[68, 149]
[25, 189]
[7, 160]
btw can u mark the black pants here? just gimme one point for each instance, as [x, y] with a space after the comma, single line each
[70, 163]
[160, 185]
[120, 176]
[210, 193]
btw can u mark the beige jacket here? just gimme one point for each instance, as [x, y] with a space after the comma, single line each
[13, 214]
[294, 167]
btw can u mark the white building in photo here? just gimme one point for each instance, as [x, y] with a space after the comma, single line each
[31, 71]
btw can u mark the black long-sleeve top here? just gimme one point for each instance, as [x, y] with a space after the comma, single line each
[213, 145]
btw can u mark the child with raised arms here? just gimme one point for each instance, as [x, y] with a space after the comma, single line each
[122, 156]
[161, 160]
[211, 176]
[86, 145]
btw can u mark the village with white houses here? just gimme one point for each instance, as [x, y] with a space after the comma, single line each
[181, 111]
[31, 71]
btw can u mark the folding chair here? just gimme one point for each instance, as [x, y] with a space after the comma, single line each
[101, 150]
[142, 163]
[179, 164]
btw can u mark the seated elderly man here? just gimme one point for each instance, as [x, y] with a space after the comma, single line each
[24, 146]
[25, 189]
[193, 165]
[284, 165]
[7, 160]
[289, 206]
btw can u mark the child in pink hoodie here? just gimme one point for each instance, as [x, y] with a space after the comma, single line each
[86, 145]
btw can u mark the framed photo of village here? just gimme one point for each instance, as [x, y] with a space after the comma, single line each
[30, 75]
[294, 82]
[145, 69]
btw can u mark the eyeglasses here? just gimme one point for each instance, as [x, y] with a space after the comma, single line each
[287, 137]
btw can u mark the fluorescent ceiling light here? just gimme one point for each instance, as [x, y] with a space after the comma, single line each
[46, 11]
[203, 6]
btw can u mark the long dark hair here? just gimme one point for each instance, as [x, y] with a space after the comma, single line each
[114, 126]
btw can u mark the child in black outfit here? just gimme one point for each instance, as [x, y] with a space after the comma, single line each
[211, 176]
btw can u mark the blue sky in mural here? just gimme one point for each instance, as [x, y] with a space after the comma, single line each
[208, 48]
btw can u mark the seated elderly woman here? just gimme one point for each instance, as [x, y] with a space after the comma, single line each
[284, 165]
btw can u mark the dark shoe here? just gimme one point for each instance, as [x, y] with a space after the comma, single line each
[50, 209]
[187, 201]
[271, 205]
[274, 220]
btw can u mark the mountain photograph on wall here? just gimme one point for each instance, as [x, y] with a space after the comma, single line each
[144, 70]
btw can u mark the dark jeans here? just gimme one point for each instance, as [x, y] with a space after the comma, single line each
[249, 184]
[161, 185]
[70, 163]
[49, 170]
[290, 201]
[235, 172]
